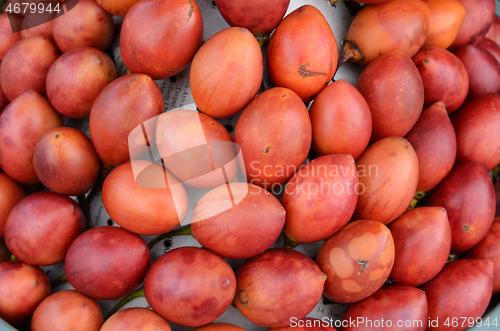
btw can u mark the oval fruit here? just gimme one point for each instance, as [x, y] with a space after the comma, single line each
[216, 93]
[121, 106]
[357, 260]
[468, 196]
[237, 220]
[302, 53]
[394, 91]
[446, 18]
[274, 134]
[264, 301]
[320, 198]
[138, 198]
[173, 29]
[341, 120]
[190, 286]
[32, 111]
[137, 319]
[106, 262]
[435, 144]
[422, 241]
[388, 177]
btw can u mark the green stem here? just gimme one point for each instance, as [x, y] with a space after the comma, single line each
[289, 243]
[419, 195]
[262, 38]
[139, 293]
[58, 281]
[185, 231]
[12, 257]
[450, 257]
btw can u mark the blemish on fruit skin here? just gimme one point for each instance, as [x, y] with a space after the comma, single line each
[243, 298]
[466, 227]
[376, 274]
[341, 263]
[351, 286]
[363, 247]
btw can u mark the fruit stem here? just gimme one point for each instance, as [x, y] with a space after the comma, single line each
[58, 281]
[262, 38]
[350, 52]
[450, 257]
[289, 243]
[185, 231]
[419, 195]
[12, 257]
[139, 293]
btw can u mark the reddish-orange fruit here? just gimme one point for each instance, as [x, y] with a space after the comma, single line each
[265, 301]
[138, 198]
[76, 78]
[422, 240]
[476, 125]
[341, 120]
[10, 194]
[190, 286]
[435, 144]
[357, 260]
[446, 18]
[117, 7]
[302, 53]
[87, 24]
[197, 149]
[477, 22]
[398, 24]
[395, 306]
[388, 177]
[25, 66]
[160, 38]
[258, 16]
[22, 288]
[219, 327]
[121, 106]
[137, 319]
[216, 93]
[490, 46]
[67, 310]
[320, 198]
[460, 292]
[7, 37]
[494, 31]
[30, 110]
[394, 91]
[237, 221]
[468, 196]
[274, 134]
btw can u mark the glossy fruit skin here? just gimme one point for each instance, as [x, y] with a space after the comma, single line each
[30, 110]
[302, 53]
[7, 37]
[42, 226]
[305, 324]
[461, 290]
[341, 120]
[274, 134]
[219, 327]
[444, 77]
[22, 288]
[477, 22]
[435, 143]
[67, 310]
[76, 78]
[173, 29]
[137, 319]
[123, 259]
[489, 248]
[378, 29]
[395, 96]
[320, 198]
[10, 194]
[388, 172]
[482, 68]
[266, 302]
[357, 260]
[476, 124]
[188, 143]
[446, 18]
[121, 106]
[244, 230]
[25, 66]
[259, 17]
[422, 241]
[137, 198]
[216, 93]
[190, 286]
[490, 46]
[87, 24]
[65, 161]
[117, 7]
[392, 304]
[468, 196]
